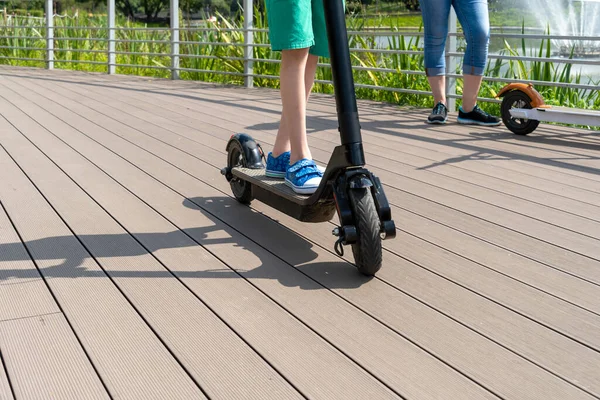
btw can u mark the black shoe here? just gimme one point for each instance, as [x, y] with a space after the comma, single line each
[477, 117]
[439, 115]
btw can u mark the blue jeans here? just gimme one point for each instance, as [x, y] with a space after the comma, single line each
[474, 19]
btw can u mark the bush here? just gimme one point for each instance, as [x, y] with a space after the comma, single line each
[412, 5]
[354, 7]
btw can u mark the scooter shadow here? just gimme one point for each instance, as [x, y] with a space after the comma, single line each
[276, 246]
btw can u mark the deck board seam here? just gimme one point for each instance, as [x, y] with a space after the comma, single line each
[5, 369]
[31, 316]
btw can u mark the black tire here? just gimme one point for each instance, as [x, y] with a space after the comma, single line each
[518, 126]
[241, 189]
[367, 250]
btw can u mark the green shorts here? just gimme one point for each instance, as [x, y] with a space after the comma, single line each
[298, 24]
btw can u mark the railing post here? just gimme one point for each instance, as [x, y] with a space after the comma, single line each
[451, 47]
[248, 41]
[174, 39]
[49, 35]
[111, 37]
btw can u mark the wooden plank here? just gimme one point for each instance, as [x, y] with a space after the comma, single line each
[39, 349]
[540, 251]
[193, 333]
[44, 363]
[119, 343]
[24, 293]
[184, 184]
[5, 389]
[294, 349]
[550, 218]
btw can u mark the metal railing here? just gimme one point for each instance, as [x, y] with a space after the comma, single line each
[172, 38]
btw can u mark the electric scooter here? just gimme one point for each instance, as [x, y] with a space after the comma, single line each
[347, 187]
[523, 108]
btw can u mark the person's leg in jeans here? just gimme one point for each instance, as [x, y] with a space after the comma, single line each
[435, 22]
[474, 19]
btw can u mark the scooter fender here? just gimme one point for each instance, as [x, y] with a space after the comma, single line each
[252, 150]
[536, 98]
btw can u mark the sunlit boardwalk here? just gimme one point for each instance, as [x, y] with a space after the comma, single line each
[127, 271]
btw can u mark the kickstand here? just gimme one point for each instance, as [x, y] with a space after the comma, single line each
[339, 247]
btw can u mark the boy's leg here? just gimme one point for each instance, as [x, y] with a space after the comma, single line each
[290, 31]
[293, 99]
[282, 142]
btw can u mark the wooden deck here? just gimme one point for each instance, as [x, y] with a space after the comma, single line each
[127, 271]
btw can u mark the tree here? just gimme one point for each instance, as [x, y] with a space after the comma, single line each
[412, 5]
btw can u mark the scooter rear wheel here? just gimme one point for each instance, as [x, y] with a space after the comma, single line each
[241, 189]
[367, 250]
[518, 126]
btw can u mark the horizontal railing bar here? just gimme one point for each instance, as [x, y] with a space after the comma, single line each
[537, 36]
[484, 99]
[23, 37]
[57, 61]
[143, 53]
[139, 66]
[139, 41]
[21, 26]
[350, 32]
[201, 56]
[208, 71]
[392, 89]
[23, 48]
[538, 59]
[81, 39]
[58, 50]
[533, 82]
[22, 58]
[236, 44]
[386, 51]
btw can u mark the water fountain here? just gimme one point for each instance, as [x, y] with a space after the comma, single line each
[575, 18]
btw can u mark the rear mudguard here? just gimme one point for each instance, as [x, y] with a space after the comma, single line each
[536, 98]
[252, 150]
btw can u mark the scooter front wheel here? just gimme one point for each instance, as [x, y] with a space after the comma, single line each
[367, 249]
[518, 126]
[242, 190]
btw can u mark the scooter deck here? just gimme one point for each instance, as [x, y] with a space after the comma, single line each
[257, 177]
[275, 193]
[559, 114]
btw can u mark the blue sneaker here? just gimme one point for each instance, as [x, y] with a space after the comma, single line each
[276, 167]
[304, 177]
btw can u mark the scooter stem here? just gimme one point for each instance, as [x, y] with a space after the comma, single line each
[343, 81]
